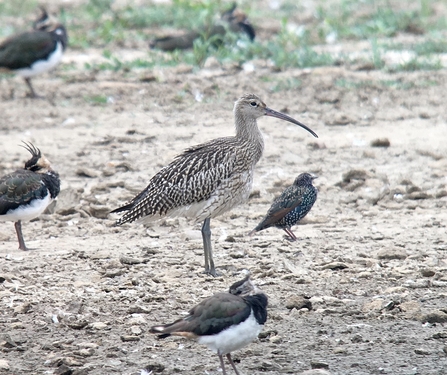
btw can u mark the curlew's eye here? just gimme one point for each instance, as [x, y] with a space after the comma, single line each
[253, 104]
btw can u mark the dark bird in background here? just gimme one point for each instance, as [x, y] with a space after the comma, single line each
[34, 52]
[26, 193]
[224, 322]
[208, 179]
[291, 206]
[232, 19]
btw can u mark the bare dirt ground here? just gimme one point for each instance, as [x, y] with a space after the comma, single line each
[371, 255]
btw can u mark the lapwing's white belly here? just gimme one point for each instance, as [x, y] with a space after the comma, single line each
[43, 66]
[29, 211]
[233, 338]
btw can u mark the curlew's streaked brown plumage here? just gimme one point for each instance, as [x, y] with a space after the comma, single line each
[209, 179]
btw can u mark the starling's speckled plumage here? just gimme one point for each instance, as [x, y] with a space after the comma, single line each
[224, 322]
[291, 206]
[208, 179]
[34, 52]
[26, 193]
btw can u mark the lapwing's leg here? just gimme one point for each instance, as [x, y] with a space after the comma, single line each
[207, 249]
[18, 226]
[232, 363]
[222, 363]
[290, 233]
[32, 92]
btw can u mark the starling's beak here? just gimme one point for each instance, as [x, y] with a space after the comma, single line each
[282, 116]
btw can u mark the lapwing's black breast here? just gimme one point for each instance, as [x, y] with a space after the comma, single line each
[258, 303]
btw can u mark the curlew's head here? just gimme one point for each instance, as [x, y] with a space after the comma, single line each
[38, 163]
[304, 179]
[251, 107]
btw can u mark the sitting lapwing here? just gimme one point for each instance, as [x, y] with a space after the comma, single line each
[232, 19]
[34, 52]
[291, 206]
[224, 322]
[26, 193]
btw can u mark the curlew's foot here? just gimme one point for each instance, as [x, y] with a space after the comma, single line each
[213, 272]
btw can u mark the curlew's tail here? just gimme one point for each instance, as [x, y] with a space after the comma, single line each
[127, 207]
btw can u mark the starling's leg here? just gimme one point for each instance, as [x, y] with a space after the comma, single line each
[232, 363]
[18, 226]
[32, 92]
[290, 233]
[207, 249]
[222, 365]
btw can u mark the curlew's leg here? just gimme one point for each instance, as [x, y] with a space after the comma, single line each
[207, 249]
[32, 92]
[222, 365]
[290, 233]
[232, 363]
[18, 226]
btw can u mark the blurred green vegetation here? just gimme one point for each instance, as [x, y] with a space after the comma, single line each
[103, 25]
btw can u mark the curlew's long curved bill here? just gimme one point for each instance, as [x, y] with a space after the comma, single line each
[282, 116]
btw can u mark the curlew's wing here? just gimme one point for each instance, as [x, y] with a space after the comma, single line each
[20, 188]
[190, 178]
[290, 199]
[209, 317]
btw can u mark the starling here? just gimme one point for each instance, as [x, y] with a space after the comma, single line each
[26, 193]
[223, 322]
[291, 206]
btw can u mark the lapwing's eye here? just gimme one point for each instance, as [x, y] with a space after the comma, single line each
[253, 104]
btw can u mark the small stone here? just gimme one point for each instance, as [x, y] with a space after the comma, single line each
[99, 211]
[298, 302]
[78, 324]
[318, 364]
[63, 370]
[154, 368]
[129, 338]
[87, 172]
[130, 260]
[23, 308]
[317, 371]
[86, 352]
[375, 305]
[4, 364]
[437, 316]
[357, 338]
[380, 142]
[422, 351]
[136, 330]
[136, 320]
[426, 272]
[392, 253]
[98, 325]
[335, 266]
[440, 335]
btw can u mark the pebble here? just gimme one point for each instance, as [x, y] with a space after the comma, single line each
[318, 364]
[380, 142]
[129, 338]
[315, 372]
[298, 302]
[98, 325]
[136, 319]
[427, 272]
[392, 253]
[334, 266]
[436, 316]
[4, 364]
[422, 351]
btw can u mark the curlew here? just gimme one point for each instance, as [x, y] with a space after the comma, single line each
[34, 52]
[291, 206]
[208, 179]
[224, 322]
[27, 192]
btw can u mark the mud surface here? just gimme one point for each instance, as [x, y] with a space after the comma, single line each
[371, 255]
